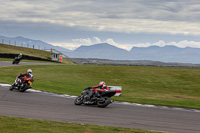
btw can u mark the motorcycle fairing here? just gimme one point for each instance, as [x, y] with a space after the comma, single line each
[107, 93]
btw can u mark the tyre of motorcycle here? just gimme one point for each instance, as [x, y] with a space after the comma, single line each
[78, 100]
[11, 88]
[13, 62]
[103, 102]
[24, 87]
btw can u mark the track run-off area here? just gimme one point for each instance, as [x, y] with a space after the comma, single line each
[56, 107]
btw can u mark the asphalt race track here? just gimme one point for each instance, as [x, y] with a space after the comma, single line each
[46, 106]
[9, 63]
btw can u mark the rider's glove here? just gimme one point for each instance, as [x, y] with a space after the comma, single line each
[19, 75]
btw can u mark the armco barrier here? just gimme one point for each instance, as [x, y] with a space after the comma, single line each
[6, 55]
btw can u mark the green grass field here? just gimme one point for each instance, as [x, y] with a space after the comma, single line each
[147, 85]
[21, 125]
[65, 79]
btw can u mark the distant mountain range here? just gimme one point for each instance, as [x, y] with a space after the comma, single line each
[103, 51]
[107, 51]
[152, 53]
[167, 54]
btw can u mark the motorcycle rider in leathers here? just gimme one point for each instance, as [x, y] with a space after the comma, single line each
[103, 87]
[25, 76]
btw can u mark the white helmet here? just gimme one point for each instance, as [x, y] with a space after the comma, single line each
[29, 71]
[102, 82]
[20, 53]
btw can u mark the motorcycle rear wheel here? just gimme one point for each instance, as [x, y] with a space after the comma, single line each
[103, 103]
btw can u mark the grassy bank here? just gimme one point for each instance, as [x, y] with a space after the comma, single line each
[21, 125]
[27, 51]
[147, 85]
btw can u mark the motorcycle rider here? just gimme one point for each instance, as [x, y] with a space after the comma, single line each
[20, 56]
[103, 87]
[26, 75]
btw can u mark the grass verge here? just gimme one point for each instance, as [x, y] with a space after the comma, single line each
[147, 85]
[22, 125]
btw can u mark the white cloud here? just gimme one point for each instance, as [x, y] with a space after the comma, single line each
[67, 45]
[86, 41]
[96, 40]
[161, 43]
[154, 16]
[185, 43]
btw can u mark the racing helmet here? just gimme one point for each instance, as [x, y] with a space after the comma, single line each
[20, 54]
[102, 82]
[29, 71]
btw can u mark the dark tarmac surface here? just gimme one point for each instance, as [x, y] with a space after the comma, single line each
[9, 63]
[48, 107]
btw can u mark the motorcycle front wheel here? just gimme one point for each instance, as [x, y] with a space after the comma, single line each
[103, 102]
[11, 88]
[78, 100]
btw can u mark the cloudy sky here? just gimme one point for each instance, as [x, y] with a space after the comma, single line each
[123, 23]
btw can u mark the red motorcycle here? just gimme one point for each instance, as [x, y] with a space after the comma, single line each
[22, 84]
